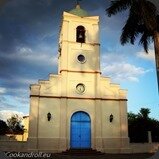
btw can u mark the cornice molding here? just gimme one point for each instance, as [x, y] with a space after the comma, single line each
[84, 98]
[94, 72]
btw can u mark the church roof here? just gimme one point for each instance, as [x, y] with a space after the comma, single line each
[79, 12]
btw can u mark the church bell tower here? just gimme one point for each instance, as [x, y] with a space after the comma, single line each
[79, 42]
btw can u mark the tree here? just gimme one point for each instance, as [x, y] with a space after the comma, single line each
[3, 127]
[139, 124]
[143, 21]
[144, 113]
[132, 116]
[14, 124]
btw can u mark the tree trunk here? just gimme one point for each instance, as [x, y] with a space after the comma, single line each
[156, 46]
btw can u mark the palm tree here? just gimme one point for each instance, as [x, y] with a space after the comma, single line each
[143, 22]
[144, 113]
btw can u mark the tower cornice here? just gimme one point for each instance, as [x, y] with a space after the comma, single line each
[73, 42]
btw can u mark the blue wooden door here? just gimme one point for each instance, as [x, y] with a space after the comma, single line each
[80, 130]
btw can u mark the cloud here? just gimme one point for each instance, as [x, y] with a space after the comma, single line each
[120, 70]
[5, 104]
[124, 72]
[150, 56]
[14, 102]
[27, 55]
[2, 90]
[16, 82]
[6, 114]
[25, 81]
[26, 66]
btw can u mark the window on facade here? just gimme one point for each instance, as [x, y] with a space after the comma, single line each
[80, 34]
[81, 58]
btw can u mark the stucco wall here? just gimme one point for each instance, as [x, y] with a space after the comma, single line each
[110, 129]
[49, 129]
[17, 146]
[144, 147]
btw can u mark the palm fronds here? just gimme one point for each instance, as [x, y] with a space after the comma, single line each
[118, 6]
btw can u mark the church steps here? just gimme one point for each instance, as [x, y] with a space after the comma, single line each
[82, 152]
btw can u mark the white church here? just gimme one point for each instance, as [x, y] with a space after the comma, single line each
[78, 108]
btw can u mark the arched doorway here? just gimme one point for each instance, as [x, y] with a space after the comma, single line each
[80, 130]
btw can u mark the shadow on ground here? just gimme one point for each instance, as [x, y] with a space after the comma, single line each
[105, 156]
[18, 155]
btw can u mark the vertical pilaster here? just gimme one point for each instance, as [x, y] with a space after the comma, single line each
[64, 45]
[98, 125]
[63, 124]
[123, 124]
[64, 76]
[33, 123]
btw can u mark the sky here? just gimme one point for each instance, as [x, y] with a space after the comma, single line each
[29, 33]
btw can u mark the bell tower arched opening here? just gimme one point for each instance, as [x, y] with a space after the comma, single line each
[80, 34]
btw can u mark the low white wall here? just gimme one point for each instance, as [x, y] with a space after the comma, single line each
[20, 146]
[144, 147]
